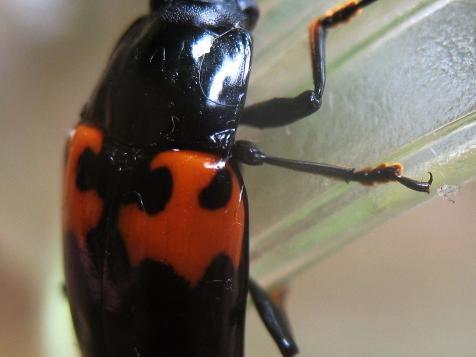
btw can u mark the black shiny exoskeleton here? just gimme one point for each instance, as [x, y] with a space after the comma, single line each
[182, 74]
[152, 172]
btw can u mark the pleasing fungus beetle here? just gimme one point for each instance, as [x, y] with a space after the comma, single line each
[155, 210]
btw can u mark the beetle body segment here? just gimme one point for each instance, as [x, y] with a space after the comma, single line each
[156, 249]
[174, 86]
[203, 218]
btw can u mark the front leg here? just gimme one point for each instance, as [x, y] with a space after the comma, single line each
[283, 111]
[251, 154]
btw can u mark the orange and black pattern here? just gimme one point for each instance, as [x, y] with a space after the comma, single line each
[155, 249]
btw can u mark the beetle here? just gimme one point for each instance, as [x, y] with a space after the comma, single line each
[155, 209]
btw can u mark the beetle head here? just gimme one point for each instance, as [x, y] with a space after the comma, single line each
[247, 9]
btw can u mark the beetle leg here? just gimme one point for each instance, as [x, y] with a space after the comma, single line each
[250, 154]
[283, 111]
[274, 319]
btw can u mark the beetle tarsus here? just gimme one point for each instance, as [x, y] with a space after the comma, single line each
[385, 173]
[420, 186]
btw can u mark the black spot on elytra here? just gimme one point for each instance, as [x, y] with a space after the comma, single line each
[218, 192]
[86, 171]
[153, 192]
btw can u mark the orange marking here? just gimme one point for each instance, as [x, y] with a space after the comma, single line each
[398, 167]
[333, 11]
[185, 235]
[312, 40]
[278, 295]
[330, 13]
[81, 210]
